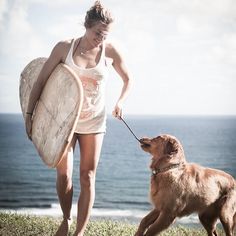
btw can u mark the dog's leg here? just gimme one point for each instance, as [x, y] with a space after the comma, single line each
[208, 220]
[162, 222]
[227, 227]
[147, 221]
[227, 214]
[234, 225]
[227, 223]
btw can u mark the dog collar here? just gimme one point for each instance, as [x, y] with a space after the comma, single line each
[159, 170]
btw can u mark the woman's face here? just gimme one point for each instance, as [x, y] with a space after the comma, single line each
[97, 34]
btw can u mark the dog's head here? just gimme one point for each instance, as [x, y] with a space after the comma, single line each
[165, 149]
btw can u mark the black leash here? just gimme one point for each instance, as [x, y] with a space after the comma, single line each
[130, 130]
[140, 141]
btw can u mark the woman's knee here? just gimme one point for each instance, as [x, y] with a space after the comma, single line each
[87, 178]
[64, 180]
[64, 175]
[65, 166]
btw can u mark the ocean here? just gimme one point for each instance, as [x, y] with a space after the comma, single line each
[122, 183]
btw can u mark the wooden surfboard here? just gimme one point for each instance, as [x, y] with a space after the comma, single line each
[57, 111]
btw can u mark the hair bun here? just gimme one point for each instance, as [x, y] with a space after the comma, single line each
[98, 5]
[97, 13]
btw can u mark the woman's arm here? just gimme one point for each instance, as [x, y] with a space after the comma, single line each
[54, 59]
[120, 68]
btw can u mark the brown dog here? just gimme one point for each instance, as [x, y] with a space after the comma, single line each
[179, 188]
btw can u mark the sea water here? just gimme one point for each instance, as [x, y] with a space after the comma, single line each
[123, 175]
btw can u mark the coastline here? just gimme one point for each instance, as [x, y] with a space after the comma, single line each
[129, 215]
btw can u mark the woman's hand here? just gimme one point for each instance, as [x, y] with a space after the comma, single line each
[117, 111]
[28, 126]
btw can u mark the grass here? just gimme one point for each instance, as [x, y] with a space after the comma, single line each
[25, 225]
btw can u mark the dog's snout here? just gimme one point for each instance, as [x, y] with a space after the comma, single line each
[144, 142]
[147, 144]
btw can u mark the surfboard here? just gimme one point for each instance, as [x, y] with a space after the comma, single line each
[57, 111]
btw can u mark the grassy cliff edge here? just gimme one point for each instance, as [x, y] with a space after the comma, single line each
[28, 225]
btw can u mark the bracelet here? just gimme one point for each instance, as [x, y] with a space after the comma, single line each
[29, 113]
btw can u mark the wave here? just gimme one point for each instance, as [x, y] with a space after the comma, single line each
[130, 215]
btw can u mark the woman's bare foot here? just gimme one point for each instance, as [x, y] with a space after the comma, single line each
[64, 227]
[78, 234]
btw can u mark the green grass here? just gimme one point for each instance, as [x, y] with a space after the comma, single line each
[25, 225]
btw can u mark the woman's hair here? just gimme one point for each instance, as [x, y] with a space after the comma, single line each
[97, 13]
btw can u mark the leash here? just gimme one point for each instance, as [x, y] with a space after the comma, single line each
[130, 130]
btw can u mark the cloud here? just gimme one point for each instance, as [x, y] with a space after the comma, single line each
[69, 26]
[176, 47]
[181, 52]
[60, 3]
[26, 41]
[3, 11]
[19, 35]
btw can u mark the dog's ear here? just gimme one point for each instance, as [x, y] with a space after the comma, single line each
[171, 148]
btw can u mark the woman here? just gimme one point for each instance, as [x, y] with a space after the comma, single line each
[86, 56]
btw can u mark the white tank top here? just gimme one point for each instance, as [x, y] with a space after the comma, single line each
[93, 115]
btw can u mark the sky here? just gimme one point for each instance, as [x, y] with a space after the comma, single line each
[181, 54]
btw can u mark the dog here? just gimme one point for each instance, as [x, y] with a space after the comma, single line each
[179, 188]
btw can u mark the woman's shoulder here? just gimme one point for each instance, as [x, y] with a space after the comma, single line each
[110, 46]
[64, 43]
[62, 48]
[112, 50]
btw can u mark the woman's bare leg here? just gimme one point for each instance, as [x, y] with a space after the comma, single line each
[90, 148]
[65, 189]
